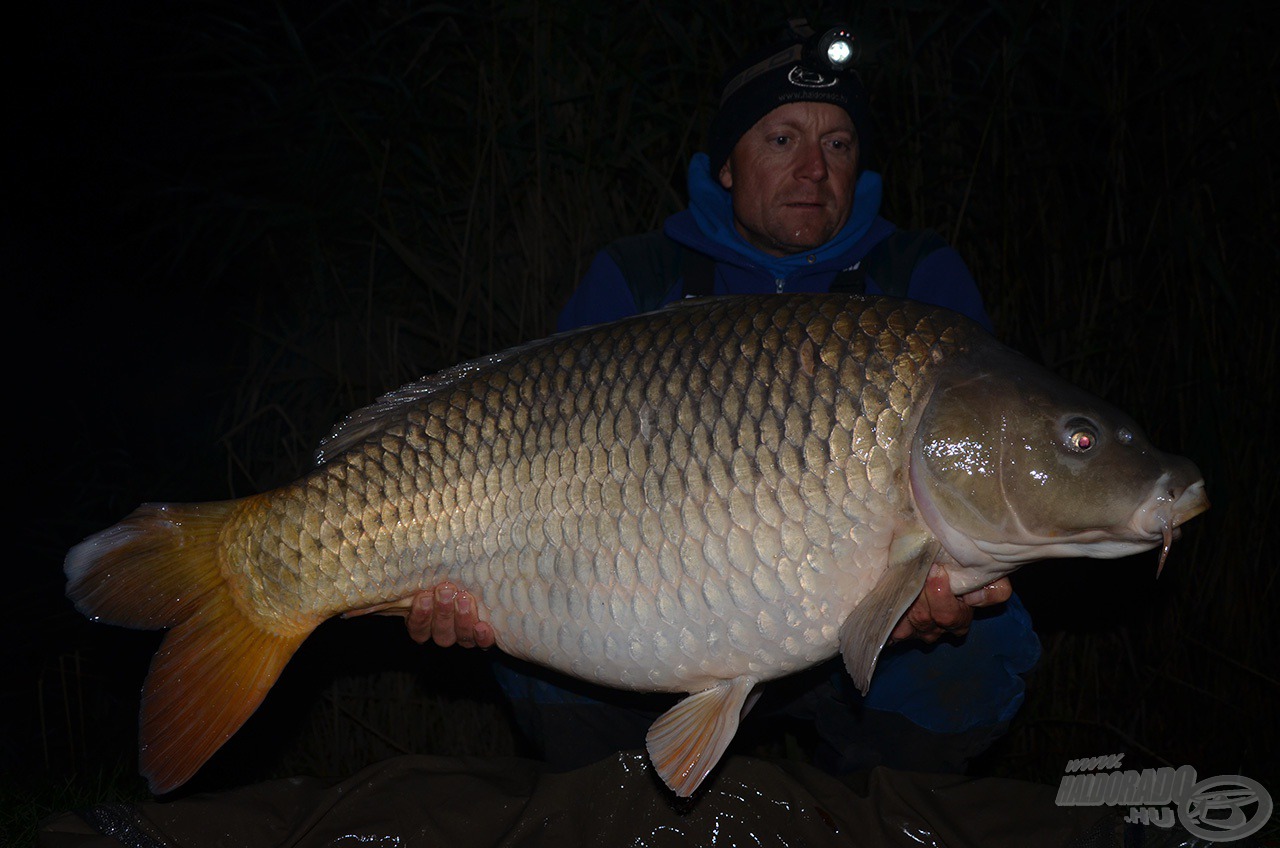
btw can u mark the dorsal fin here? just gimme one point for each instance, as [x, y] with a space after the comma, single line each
[359, 425]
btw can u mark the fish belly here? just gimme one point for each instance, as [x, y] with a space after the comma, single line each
[682, 632]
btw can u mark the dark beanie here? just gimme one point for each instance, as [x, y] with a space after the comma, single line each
[781, 76]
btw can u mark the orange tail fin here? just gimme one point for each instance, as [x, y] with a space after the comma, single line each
[159, 567]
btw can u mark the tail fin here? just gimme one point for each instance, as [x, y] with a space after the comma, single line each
[159, 567]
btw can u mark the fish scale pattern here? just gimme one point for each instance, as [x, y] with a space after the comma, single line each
[661, 503]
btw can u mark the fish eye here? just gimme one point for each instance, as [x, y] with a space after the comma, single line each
[1081, 435]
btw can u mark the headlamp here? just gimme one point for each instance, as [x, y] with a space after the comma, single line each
[836, 47]
[832, 51]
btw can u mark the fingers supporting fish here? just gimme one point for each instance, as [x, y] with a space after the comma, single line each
[447, 616]
[468, 630]
[937, 612]
[989, 595]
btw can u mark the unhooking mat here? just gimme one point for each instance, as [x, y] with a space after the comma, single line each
[471, 803]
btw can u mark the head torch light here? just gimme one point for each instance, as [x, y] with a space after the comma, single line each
[832, 51]
[836, 47]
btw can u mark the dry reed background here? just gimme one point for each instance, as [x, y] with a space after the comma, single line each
[286, 209]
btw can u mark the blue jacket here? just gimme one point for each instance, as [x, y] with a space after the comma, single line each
[946, 688]
[940, 278]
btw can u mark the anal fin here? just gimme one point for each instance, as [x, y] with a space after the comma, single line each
[687, 741]
[867, 628]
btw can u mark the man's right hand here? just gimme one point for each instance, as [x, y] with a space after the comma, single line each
[448, 616]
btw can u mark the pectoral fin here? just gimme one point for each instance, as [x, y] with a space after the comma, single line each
[688, 740]
[865, 631]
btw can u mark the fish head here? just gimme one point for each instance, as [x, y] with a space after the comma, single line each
[1012, 464]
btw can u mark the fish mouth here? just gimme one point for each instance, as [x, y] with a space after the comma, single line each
[1155, 523]
[1161, 517]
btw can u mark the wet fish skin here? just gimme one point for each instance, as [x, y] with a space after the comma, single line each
[695, 500]
[597, 485]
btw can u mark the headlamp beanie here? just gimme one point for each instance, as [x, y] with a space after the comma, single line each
[748, 93]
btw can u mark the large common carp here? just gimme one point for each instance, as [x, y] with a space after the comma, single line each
[696, 500]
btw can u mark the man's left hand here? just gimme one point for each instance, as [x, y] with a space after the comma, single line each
[936, 612]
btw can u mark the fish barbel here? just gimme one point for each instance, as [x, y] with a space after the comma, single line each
[696, 500]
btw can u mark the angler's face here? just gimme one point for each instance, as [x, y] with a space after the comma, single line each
[792, 177]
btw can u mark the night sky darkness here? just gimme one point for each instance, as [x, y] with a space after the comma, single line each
[115, 363]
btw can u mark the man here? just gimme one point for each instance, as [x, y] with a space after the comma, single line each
[778, 204]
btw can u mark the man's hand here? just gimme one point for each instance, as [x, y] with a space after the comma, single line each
[448, 616]
[937, 612]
